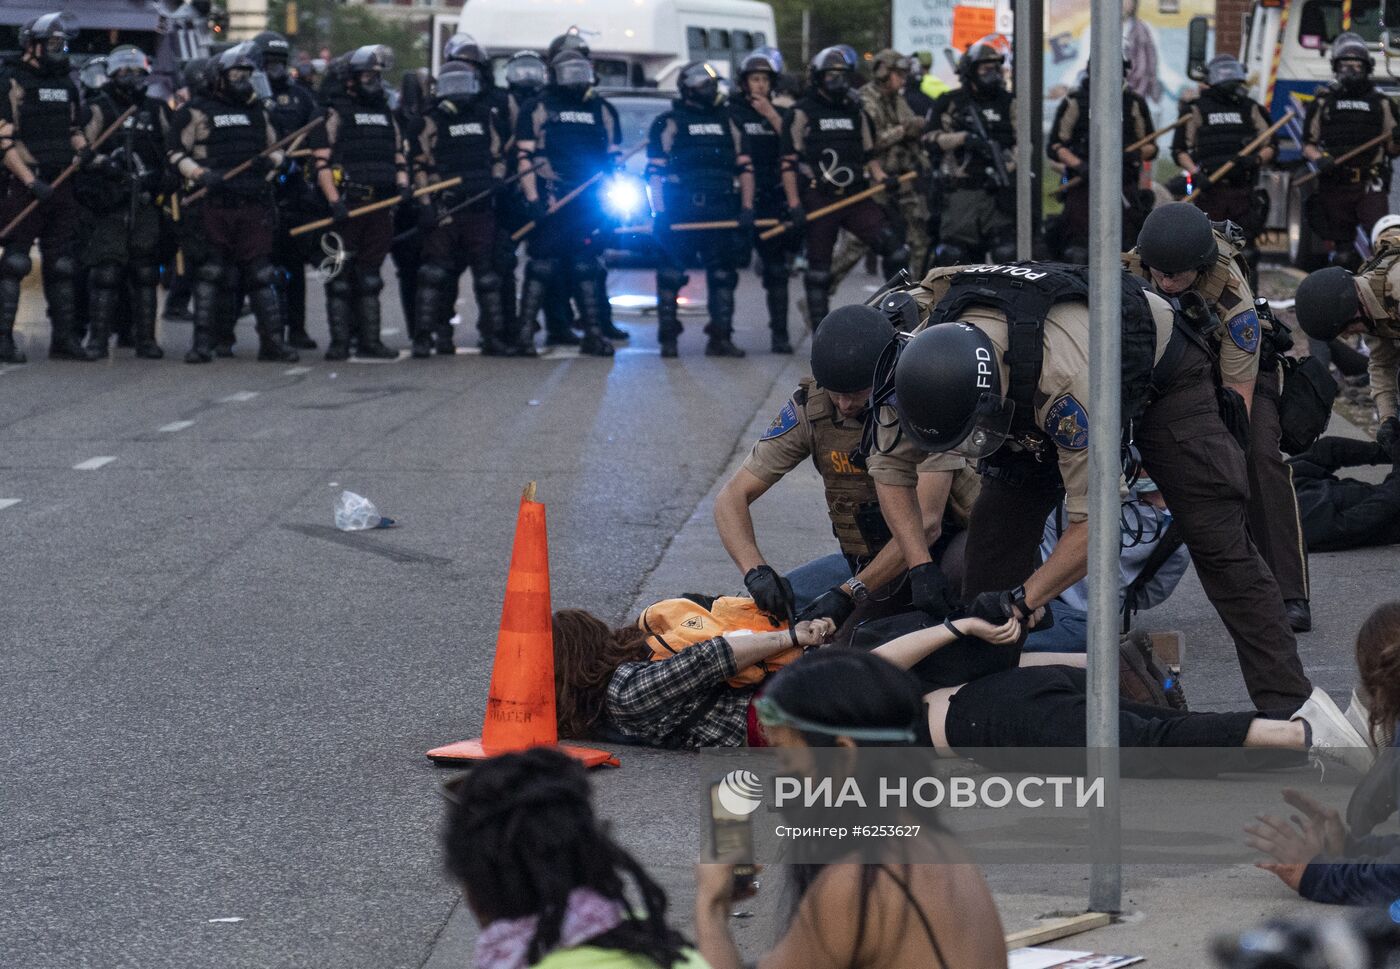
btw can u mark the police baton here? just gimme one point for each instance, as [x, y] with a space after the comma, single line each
[67, 173]
[443, 219]
[377, 206]
[242, 167]
[699, 226]
[1142, 142]
[1358, 150]
[826, 210]
[529, 227]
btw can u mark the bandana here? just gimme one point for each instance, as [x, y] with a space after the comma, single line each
[504, 944]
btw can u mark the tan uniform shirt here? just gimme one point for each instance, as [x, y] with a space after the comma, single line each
[1062, 394]
[1384, 342]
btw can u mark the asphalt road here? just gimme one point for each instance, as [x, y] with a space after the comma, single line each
[216, 705]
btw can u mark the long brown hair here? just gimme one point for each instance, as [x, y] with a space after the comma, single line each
[1378, 663]
[586, 654]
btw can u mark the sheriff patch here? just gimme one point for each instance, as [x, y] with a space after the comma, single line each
[784, 422]
[1067, 423]
[1244, 330]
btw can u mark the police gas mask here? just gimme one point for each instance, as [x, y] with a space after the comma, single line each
[835, 84]
[989, 78]
[238, 84]
[128, 84]
[1233, 92]
[1352, 75]
[370, 85]
[53, 55]
[277, 72]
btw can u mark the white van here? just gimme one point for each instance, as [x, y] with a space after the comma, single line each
[634, 43]
[1304, 64]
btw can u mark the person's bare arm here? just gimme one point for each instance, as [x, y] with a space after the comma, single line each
[735, 523]
[900, 507]
[1067, 564]
[1246, 391]
[932, 492]
[908, 649]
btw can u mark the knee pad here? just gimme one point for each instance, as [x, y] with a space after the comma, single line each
[774, 273]
[106, 276]
[210, 272]
[263, 273]
[1004, 251]
[542, 269]
[724, 278]
[588, 268]
[816, 279]
[898, 259]
[950, 254]
[431, 274]
[339, 287]
[486, 282]
[888, 242]
[145, 275]
[1077, 255]
[16, 264]
[670, 279]
[64, 267]
[369, 282]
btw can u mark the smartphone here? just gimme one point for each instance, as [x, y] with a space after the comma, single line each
[731, 840]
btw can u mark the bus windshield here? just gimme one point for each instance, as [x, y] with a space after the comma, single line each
[1321, 21]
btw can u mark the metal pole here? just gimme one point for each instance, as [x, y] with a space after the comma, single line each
[1028, 34]
[1105, 377]
[806, 36]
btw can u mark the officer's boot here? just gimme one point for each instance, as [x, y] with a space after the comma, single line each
[62, 313]
[504, 263]
[267, 310]
[540, 274]
[103, 296]
[720, 283]
[14, 266]
[491, 313]
[559, 314]
[591, 296]
[294, 307]
[428, 297]
[339, 315]
[816, 284]
[227, 307]
[143, 312]
[668, 296]
[606, 326]
[207, 288]
[443, 342]
[368, 284]
[775, 292]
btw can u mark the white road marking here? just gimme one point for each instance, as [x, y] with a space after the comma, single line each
[92, 464]
[174, 426]
[241, 397]
[403, 355]
[8, 503]
[233, 919]
[296, 371]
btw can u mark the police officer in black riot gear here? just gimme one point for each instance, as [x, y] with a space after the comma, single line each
[762, 125]
[526, 74]
[291, 107]
[118, 191]
[39, 137]
[359, 159]
[406, 251]
[694, 151]
[463, 136]
[572, 134]
[209, 137]
[1345, 115]
[183, 225]
[828, 154]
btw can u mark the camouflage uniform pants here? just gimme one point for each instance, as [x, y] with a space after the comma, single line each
[908, 209]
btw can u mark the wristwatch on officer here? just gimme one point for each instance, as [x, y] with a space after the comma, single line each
[1018, 602]
[856, 589]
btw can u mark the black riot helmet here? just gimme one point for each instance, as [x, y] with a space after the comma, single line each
[274, 58]
[366, 70]
[128, 67]
[767, 59]
[980, 68]
[1352, 62]
[846, 347]
[1327, 303]
[571, 73]
[830, 73]
[570, 39]
[234, 70]
[459, 81]
[1177, 237]
[526, 74]
[947, 387]
[196, 74]
[51, 34]
[93, 76]
[1226, 76]
[463, 47]
[698, 85]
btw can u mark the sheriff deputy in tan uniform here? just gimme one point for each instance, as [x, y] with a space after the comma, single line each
[824, 421]
[1178, 251]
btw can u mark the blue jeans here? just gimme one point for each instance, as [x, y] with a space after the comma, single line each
[1068, 635]
[818, 576]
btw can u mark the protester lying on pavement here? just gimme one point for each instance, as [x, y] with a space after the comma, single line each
[1320, 856]
[846, 914]
[1343, 513]
[548, 885]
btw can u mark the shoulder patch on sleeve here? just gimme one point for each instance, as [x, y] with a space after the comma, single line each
[784, 422]
[1067, 423]
[1244, 331]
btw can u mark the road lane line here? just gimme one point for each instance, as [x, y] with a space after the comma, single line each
[8, 503]
[296, 371]
[174, 426]
[92, 464]
[241, 397]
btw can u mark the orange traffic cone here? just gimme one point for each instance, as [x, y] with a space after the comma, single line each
[520, 705]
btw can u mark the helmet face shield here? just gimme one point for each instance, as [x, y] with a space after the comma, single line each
[990, 427]
[459, 83]
[574, 73]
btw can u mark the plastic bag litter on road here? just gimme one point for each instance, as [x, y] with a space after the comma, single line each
[354, 513]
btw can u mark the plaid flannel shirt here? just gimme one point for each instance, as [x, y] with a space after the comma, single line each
[682, 701]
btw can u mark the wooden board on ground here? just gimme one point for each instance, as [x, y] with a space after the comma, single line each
[1051, 929]
[1170, 647]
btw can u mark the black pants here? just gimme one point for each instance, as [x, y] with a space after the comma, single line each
[1274, 522]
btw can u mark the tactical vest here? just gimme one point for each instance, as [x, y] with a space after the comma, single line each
[699, 174]
[996, 112]
[236, 134]
[851, 501]
[1374, 272]
[46, 119]
[1025, 293]
[1227, 125]
[833, 147]
[365, 144]
[290, 109]
[575, 138]
[1349, 120]
[675, 624]
[1079, 136]
[1218, 279]
[464, 136]
[764, 144]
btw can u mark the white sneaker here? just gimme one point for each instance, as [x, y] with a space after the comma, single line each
[1360, 718]
[1333, 736]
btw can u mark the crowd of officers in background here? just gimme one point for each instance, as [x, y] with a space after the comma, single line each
[206, 194]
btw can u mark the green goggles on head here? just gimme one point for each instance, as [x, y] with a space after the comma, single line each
[772, 715]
